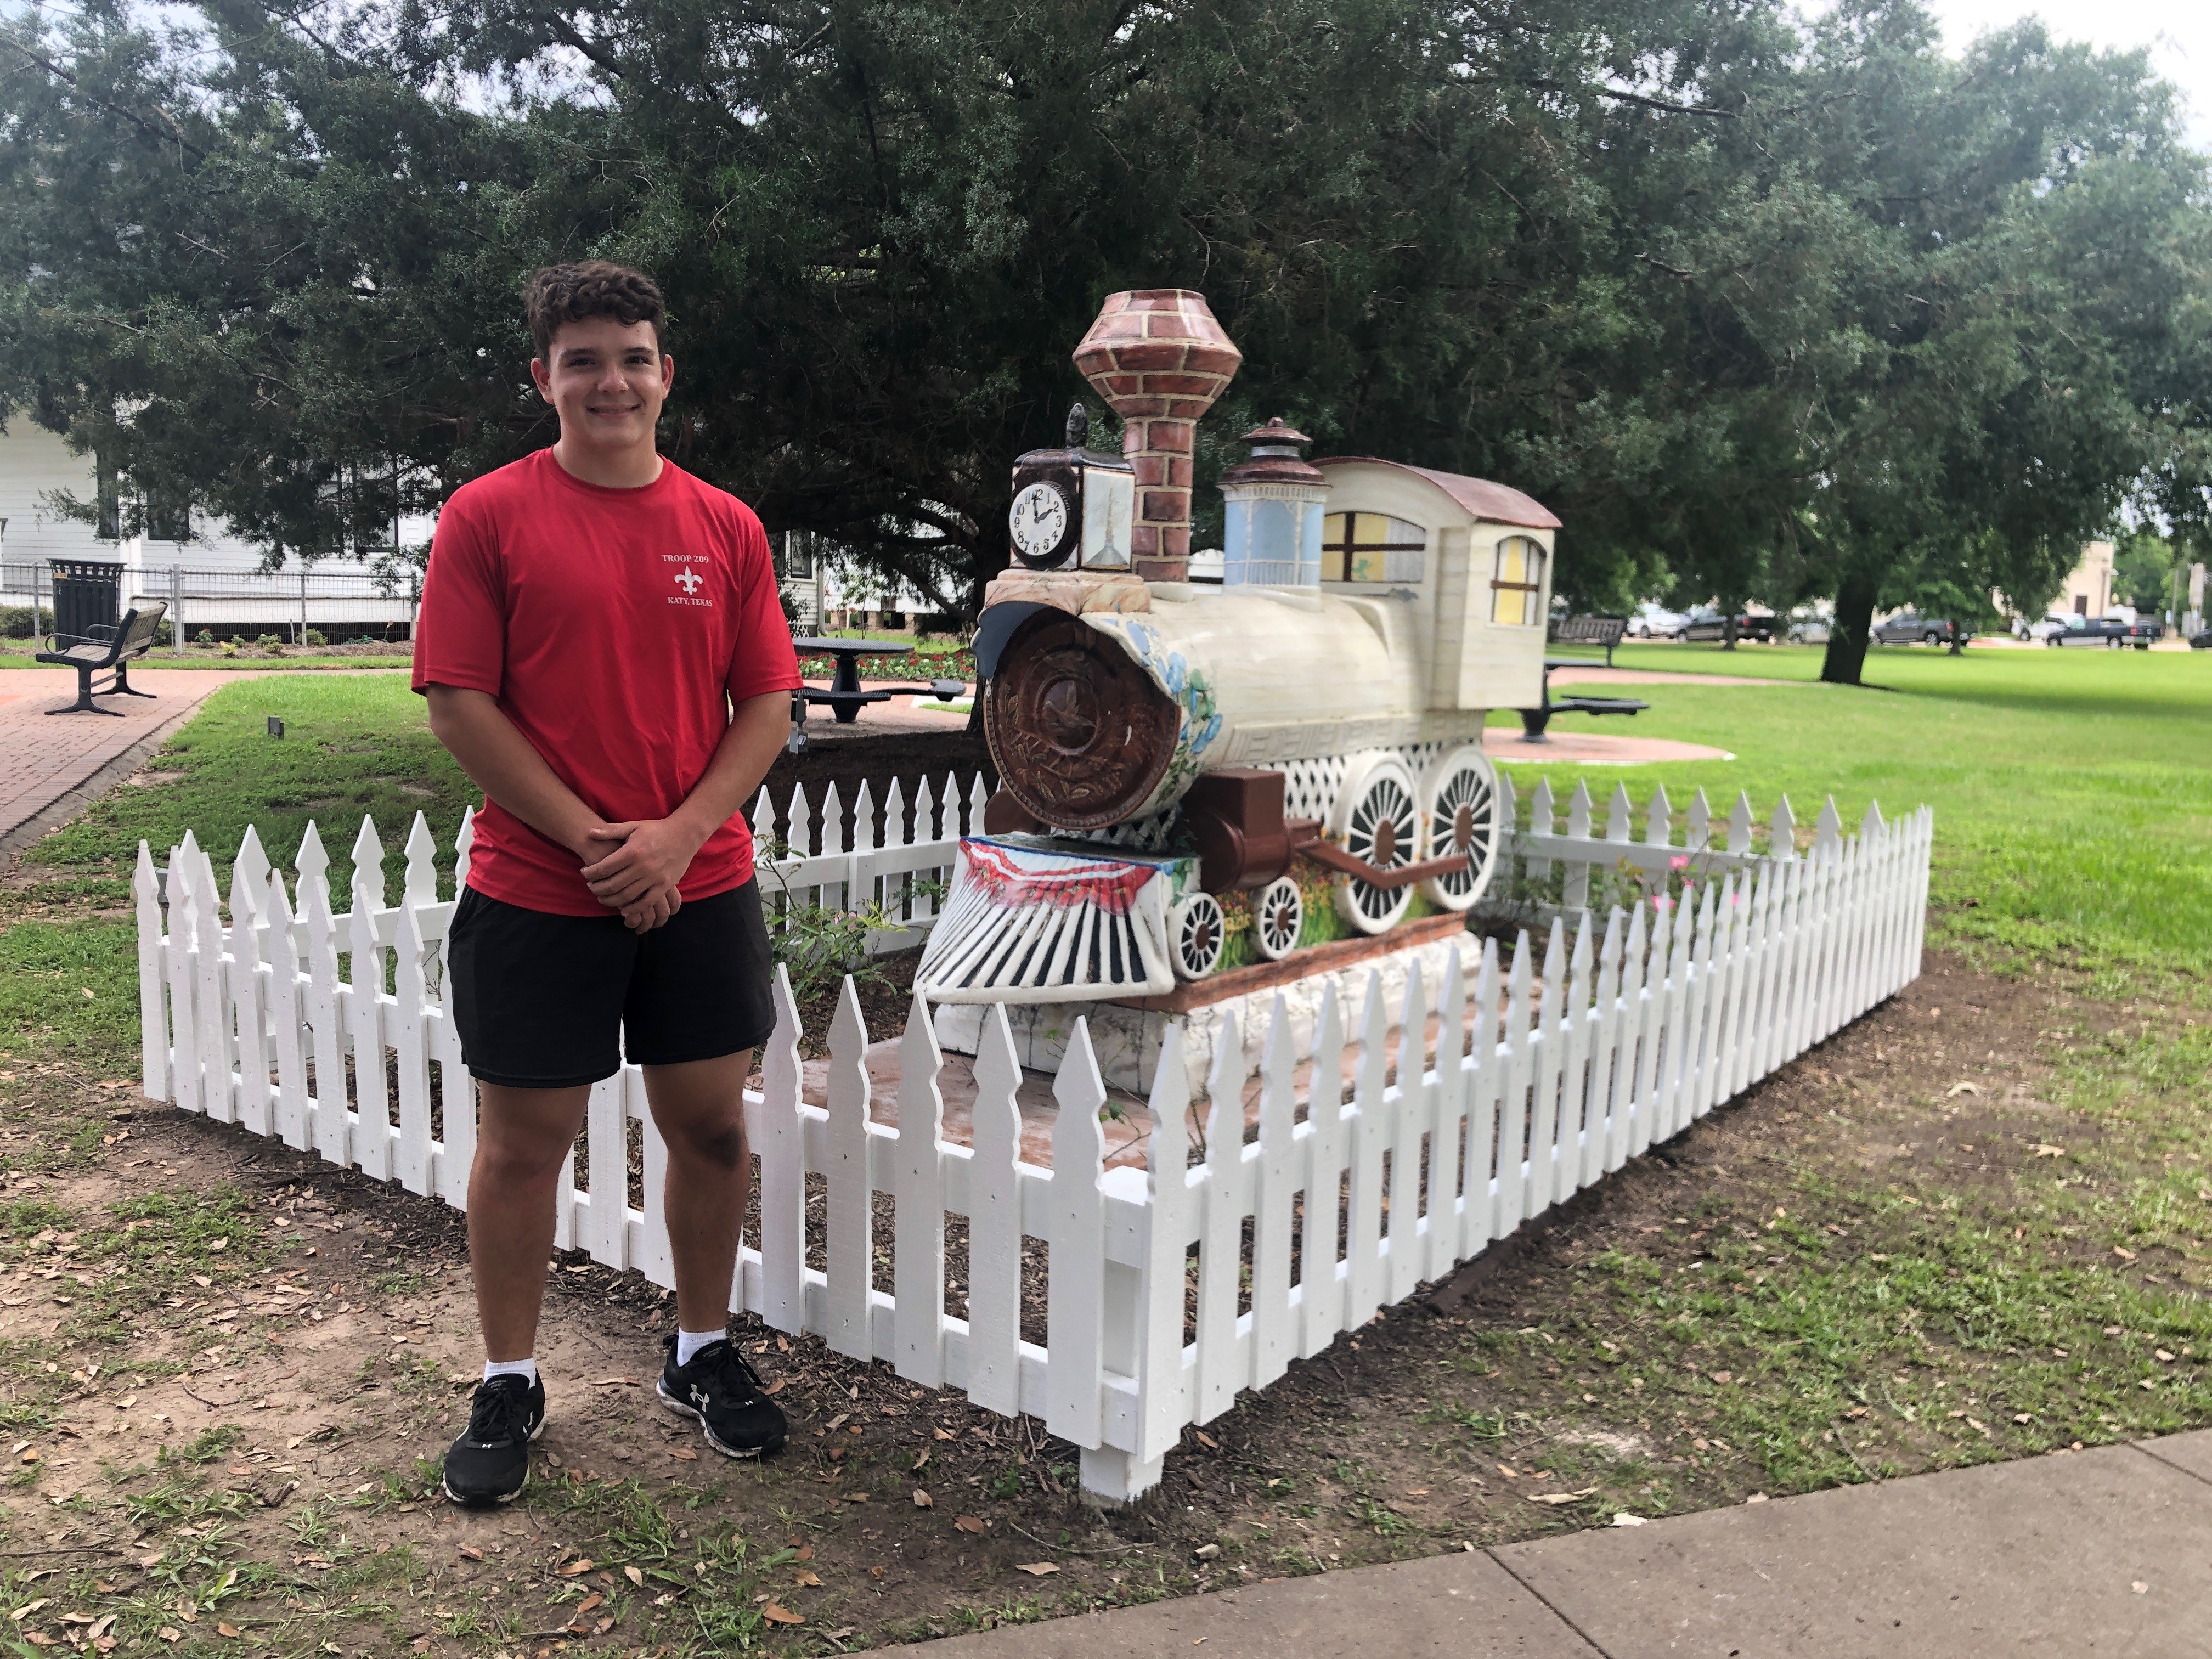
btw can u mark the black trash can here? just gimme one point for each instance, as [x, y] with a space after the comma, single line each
[87, 593]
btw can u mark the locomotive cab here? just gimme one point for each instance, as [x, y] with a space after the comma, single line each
[1475, 556]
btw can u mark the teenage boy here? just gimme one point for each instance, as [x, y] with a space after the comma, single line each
[604, 653]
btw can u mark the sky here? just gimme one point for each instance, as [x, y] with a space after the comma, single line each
[2178, 31]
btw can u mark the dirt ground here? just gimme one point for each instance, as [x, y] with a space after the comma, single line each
[231, 1370]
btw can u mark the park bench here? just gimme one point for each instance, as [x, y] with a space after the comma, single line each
[107, 650]
[1604, 631]
[1533, 720]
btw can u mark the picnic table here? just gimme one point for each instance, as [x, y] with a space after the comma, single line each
[845, 697]
[1533, 720]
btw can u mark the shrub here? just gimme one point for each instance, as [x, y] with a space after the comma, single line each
[314, 636]
[16, 622]
[206, 637]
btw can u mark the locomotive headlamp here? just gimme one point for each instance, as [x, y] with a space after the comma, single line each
[1073, 507]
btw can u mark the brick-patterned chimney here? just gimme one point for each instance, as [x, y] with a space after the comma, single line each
[1160, 358]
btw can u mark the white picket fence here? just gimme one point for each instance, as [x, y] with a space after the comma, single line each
[1641, 1021]
[905, 867]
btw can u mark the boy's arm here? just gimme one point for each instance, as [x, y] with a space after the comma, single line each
[502, 762]
[654, 853]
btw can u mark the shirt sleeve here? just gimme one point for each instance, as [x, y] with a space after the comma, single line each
[764, 660]
[460, 629]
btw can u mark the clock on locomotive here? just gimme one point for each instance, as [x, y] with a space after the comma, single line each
[1073, 507]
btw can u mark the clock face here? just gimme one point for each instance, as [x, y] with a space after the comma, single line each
[1039, 522]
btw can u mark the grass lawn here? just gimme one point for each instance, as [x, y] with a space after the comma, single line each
[1973, 1226]
[2072, 790]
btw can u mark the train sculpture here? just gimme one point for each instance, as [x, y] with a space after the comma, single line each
[1180, 762]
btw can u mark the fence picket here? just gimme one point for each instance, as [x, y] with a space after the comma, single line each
[1163, 1392]
[918, 1213]
[248, 1000]
[285, 1023]
[1406, 1258]
[994, 1224]
[1321, 1291]
[211, 998]
[1547, 1073]
[411, 1052]
[1075, 1324]
[153, 975]
[1484, 1078]
[1514, 1086]
[1369, 1135]
[332, 1133]
[849, 1240]
[1273, 1328]
[1448, 1205]
[183, 972]
[783, 1170]
[1222, 1225]
[372, 1124]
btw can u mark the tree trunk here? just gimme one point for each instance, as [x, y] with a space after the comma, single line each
[1853, 626]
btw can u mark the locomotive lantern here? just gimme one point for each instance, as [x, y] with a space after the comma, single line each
[1181, 764]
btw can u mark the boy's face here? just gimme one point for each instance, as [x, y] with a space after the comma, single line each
[607, 379]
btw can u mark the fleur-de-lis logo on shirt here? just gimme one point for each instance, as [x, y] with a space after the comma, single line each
[687, 580]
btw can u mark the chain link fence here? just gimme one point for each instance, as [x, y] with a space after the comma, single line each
[338, 604]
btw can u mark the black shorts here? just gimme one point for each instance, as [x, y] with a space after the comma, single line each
[539, 999]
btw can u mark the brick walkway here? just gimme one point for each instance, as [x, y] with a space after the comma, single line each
[44, 763]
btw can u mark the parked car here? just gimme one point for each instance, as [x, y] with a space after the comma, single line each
[2041, 629]
[1809, 624]
[1704, 623]
[1911, 627]
[2110, 632]
[1655, 622]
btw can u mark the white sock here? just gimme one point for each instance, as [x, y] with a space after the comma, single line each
[687, 1344]
[525, 1368]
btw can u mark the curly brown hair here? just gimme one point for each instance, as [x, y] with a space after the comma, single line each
[594, 287]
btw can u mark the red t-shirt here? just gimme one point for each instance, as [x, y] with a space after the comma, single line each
[614, 626]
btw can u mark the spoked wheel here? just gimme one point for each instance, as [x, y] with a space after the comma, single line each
[1376, 818]
[1279, 915]
[1459, 808]
[1195, 935]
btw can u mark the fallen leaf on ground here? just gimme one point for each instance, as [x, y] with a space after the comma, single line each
[471, 1552]
[942, 1434]
[582, 1564]
[1203, 1439]
[616, 1382]
[776, 1614]
[806, 1552]
[685, 1455]
[2049, 1151]
[1623, 1518]
[594, 1600]
[807, 1578]
[635, 1577]
[969, 1523]
[922, 1500]
[1559, 1497]
[2124, 1254]
[227, 1630]
[775, 1387]
[920, 1461]
[1960, 1089]
[1037, 1569]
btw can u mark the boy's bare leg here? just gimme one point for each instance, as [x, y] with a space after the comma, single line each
[699, 1108]
[523, 1136]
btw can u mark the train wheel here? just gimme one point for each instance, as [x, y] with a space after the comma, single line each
[1376, 818]
[1195, 935]
[1459, 810]
[1279, 915]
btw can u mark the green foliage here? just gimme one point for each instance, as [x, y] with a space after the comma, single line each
[1771, 307]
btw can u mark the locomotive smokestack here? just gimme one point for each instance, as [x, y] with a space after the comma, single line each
[1160, 358]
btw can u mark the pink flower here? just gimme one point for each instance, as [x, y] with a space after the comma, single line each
[1678, 863]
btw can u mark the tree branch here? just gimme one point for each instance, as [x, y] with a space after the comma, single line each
[175, 132]
[591, 49]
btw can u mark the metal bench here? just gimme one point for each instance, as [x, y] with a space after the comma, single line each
[1533, 720]
[1606, 631]
[107, 650]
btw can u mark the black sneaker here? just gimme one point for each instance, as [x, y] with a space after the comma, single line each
[721, 1389]
[490, 1463]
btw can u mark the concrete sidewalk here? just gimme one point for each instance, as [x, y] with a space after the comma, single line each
[2101, 1552]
